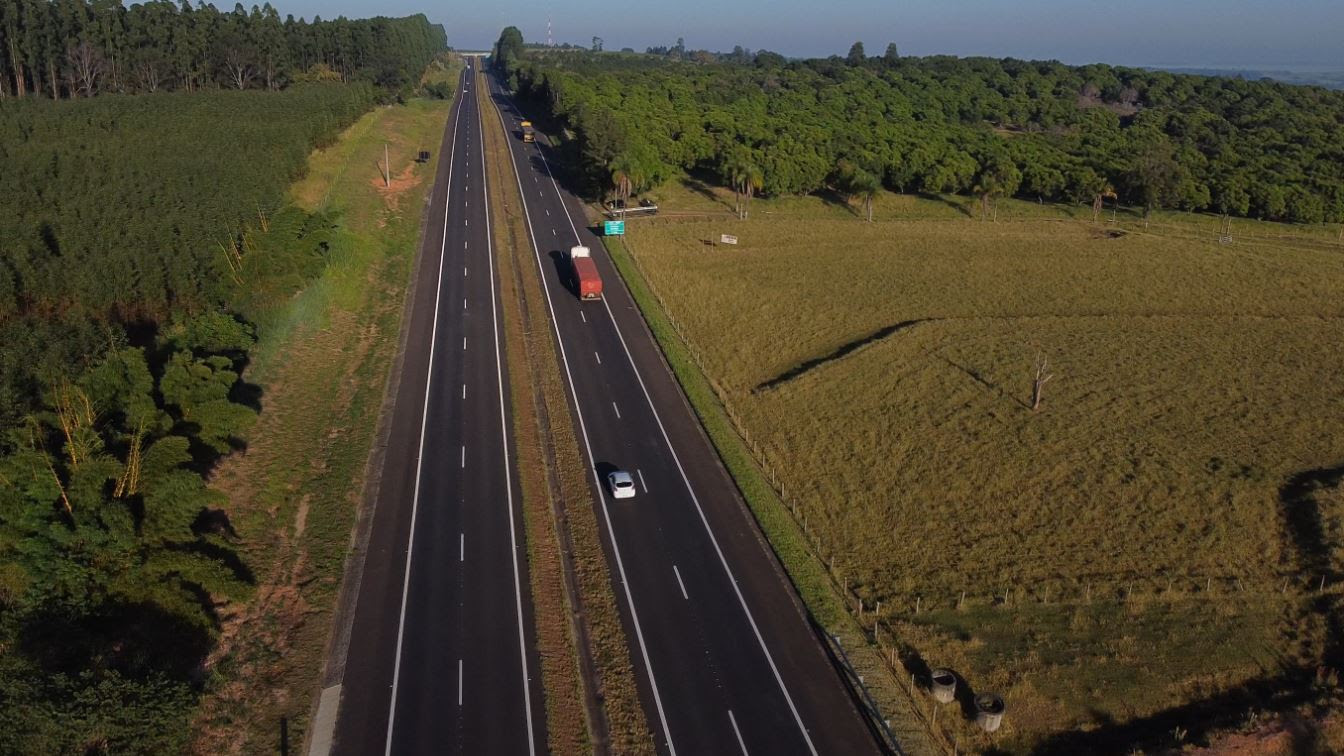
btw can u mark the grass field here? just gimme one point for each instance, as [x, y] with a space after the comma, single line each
[1130, 548]
[322, 364]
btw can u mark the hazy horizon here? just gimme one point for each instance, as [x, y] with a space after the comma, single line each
[1291, 35]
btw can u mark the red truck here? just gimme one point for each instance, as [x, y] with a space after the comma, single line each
[585, 273]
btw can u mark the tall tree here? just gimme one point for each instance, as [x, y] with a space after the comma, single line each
[856, 56]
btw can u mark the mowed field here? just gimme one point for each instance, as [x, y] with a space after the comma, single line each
[1151, 537]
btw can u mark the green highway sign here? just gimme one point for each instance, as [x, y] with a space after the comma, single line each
[613, 228]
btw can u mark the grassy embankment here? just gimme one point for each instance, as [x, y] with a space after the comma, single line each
[578, 623]
[1133, 547]
[322, 363]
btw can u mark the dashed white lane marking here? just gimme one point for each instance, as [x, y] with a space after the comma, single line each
[464, 221]
[640, 473]
[585, 317]
[618, 410]
[548, 213]
[464, 455]
[415, 497]
[464, 391]
[464, 245]
[740, 743]
[462, 548]
[599, 357]
[464, 343]
[459, 685]
[464, 271]
[677, 572]
[464, 303]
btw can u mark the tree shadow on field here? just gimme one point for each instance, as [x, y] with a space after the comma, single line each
[701, 187]
[1304, 523]
[985, 383]
[835, 199]
[1285, 692]
[960, 207]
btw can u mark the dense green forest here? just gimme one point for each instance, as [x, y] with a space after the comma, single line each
[978, 126]
[78, 48]
[142, 237]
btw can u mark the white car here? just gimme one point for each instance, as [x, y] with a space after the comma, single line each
[622, 485]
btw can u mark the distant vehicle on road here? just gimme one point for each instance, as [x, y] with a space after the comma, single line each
[526, 133]
[622, 485]
[586, 279]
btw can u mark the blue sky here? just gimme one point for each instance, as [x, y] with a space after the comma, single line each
[1224, 33]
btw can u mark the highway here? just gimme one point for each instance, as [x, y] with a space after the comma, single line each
[727, 661]
[441, 652]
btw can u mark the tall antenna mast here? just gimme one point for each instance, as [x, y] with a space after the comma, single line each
[550, 41]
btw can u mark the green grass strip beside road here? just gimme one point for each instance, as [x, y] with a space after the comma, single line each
[804, 567]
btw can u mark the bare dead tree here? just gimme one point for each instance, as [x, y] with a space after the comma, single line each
[1043, 376]
[148, 72]
[240, 66]
[86, 67]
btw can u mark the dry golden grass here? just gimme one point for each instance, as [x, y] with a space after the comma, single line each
[1124, 549]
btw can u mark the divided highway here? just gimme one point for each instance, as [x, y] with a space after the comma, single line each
[441, 657]
[727, 660]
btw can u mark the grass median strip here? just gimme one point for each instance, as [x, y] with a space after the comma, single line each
[561, 518]
[567, 722]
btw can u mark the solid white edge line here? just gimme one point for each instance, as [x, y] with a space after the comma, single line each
[504, 443]
[424, 422]
[732, 579]
[677, 572]
[588, 447]
[640, 473]
[740, 742]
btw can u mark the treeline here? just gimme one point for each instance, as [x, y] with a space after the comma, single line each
[79, 48]
[142, 237]
[134, 208]
[941, 124]
[139, 234]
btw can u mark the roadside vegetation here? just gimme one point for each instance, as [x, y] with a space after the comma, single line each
[1139, 545]
[149, 242]
[322, 365]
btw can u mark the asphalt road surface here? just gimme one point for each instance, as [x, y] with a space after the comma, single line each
[441, 656]
[727, 661]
